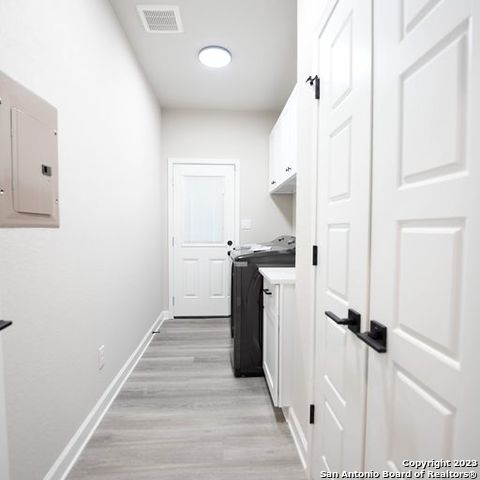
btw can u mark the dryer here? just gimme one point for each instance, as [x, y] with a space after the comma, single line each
[247, 299]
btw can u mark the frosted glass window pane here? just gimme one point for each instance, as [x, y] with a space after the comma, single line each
[204, 209]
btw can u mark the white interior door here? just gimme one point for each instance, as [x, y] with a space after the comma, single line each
[4, 470]
[424, 393]
[343, 234]
[203, 223]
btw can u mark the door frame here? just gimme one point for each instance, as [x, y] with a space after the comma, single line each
[172, 162]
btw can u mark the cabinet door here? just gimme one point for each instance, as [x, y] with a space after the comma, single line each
[343, 234]
[276, 154]
[423, 394]
[282, 155]
[289, 138]
[272, 159]
[293, 121]
[286, 143]
[270, 351]
[283, 145]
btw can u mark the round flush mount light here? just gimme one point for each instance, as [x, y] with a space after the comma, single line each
[214, 56]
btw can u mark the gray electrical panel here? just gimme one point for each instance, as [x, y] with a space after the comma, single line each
[28, 158]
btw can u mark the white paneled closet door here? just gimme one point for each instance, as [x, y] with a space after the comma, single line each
[343, 235]
[424, 393]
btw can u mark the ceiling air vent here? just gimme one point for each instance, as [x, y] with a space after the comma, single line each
[160, 18]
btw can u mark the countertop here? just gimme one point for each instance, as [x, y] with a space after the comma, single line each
[279, 275]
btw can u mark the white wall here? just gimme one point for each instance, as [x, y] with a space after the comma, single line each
[4, 461]
[97, 279]
[237, 135]
[308, 17]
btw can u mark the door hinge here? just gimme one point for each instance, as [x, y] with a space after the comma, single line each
[173, 241]
[315, 82]
[312, 414]
[173, 301]
[315, 255]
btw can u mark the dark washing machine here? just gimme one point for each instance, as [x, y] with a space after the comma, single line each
[247, 300]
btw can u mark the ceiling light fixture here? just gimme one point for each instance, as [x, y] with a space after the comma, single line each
[215, 57]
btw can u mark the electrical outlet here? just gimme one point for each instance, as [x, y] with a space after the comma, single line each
[101, 357]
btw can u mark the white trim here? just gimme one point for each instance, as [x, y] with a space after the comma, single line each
[66, 460]
[196, 161]
[297, 433]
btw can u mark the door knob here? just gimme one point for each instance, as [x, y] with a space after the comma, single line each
[353, 320]
[266, 291]
[376, 337]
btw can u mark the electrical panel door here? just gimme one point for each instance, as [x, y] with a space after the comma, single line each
[28, 158]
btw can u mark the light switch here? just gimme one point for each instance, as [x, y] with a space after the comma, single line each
[246, 223]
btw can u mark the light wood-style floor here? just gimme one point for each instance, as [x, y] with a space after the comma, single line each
[183, 416]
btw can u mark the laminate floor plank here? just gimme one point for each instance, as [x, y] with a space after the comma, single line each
[182, 415]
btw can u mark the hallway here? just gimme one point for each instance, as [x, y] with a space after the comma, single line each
[182, 415]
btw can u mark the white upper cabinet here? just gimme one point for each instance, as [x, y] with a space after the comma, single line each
[283, 149]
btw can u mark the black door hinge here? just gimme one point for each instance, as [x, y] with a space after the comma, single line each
[312, 414]
[314, 255]
[315, 81]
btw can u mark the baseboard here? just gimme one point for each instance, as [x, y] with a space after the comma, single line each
[64, 463]
[298, 434]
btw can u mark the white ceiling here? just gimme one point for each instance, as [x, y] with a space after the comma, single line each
[261, 34]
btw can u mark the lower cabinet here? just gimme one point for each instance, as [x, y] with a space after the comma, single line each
[278, 322]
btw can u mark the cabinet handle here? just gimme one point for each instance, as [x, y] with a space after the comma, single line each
[273, 182]
[266, 291]
[376, 337]
[353, 321]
